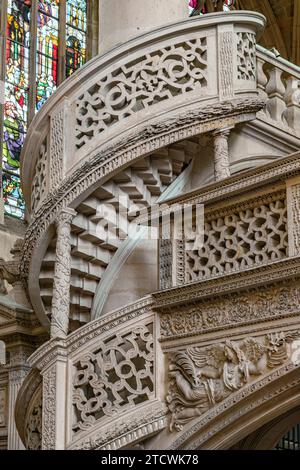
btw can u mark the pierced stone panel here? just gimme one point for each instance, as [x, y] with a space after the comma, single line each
[240, 239]
[116, 376]
[151, 79]
[246, 58]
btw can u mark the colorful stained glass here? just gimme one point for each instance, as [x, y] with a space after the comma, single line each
[17, 57]
[49, 7]
[47, 50]
[13, 198]
[18, 75]
[75, 35]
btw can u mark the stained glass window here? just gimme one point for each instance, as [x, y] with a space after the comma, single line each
[47, 50]
[33, 70]
[75, 35]
[16, 101]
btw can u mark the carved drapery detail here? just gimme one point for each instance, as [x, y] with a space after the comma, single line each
[57, 144]
[49, 409]
[276, 302]
[155, 77]
[116, 376]
[33, 430]
[246, 57]
[202, 377]
[241, 239]
[39, 184]
[221, 154]
[61, 287]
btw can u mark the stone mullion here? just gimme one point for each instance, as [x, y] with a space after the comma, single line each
[61, 75]
[32, 61]
[92, 40]
[3, 20]
[62, 276]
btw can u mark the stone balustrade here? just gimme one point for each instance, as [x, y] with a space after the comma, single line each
[183, 71]
[278, 83]
[258, 227]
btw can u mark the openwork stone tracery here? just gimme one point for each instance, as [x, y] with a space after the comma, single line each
[149, 80]
[118, 374]
[239, 239]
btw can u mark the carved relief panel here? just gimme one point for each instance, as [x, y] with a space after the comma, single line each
[201, 377]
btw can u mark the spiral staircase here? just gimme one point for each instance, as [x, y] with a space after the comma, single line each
[158, 121]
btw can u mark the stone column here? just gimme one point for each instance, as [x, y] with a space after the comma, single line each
[121, 20]
[62, 275]
[221, 154]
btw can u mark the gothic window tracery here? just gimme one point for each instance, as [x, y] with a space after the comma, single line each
[44, 43]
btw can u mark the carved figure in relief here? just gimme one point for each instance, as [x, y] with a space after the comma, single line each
[202, 377]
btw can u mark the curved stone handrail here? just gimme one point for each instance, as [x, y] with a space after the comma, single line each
[149, 77]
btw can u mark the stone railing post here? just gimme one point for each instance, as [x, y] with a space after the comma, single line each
[221, 154]
[62, 274]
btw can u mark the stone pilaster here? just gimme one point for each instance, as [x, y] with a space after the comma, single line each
[54, 403]
[62, 274]
[221, 154]
[293, 212]
[17, 371]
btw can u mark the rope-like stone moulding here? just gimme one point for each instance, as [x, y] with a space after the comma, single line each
[128, 149]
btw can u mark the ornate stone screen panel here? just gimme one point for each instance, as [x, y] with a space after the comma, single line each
[113, 376]
[239, 238]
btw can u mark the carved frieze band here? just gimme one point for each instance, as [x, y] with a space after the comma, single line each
[268, 304]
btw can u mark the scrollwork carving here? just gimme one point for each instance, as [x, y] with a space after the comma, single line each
[155, 77]
[117, 375]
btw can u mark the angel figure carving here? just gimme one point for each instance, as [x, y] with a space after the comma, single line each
[200, 378]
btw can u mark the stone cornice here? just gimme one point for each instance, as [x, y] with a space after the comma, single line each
[273, 273]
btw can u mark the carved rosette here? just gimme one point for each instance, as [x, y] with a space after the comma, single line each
[221, 154]
[61, 286]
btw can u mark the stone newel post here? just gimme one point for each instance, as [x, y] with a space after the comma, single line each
[221, 154]
[62, 274]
